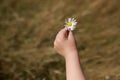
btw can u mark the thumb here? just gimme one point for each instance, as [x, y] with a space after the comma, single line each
[71, 36]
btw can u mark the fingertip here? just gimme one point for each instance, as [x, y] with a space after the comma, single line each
[70, 32]
[62, 33]
[70, 35]
[63, 30]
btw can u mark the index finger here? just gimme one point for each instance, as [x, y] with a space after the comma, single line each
[62, 34]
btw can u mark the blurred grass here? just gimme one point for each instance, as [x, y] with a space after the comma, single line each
[28, 29]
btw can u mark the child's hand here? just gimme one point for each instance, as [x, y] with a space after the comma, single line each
[65, 43]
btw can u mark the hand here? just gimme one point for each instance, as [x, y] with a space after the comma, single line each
[65, 43]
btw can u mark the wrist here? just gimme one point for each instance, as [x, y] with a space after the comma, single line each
[71, 55]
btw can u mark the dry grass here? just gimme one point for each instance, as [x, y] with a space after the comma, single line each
[28, 29]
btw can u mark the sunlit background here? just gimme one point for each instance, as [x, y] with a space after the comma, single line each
[28, 29]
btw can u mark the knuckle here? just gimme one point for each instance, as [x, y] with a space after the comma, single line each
[54, 43]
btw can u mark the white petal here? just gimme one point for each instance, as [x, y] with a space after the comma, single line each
[66, 28]
[73, 28]
[69, 19]
[65, 25]
[74, 23]
[73, 19]
[66, 21]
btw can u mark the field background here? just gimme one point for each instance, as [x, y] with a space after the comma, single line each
[28, 29]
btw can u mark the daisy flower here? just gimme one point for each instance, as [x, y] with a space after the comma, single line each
[70, 24]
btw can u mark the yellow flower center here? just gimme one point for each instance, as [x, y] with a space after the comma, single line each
[69, 24]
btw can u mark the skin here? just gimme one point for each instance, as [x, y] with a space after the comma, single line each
[65, 45]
